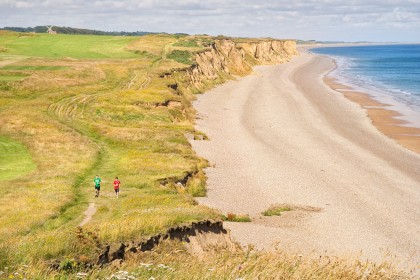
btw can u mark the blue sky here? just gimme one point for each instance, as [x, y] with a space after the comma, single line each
[351, 20]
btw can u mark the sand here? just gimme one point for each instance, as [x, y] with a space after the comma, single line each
[90, 211]
[282, 135]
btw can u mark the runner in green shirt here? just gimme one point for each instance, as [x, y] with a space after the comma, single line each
[97, 183]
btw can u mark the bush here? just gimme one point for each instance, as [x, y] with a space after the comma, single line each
[187, 43]
[181, 56]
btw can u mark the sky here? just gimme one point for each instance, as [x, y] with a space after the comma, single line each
[341, 20]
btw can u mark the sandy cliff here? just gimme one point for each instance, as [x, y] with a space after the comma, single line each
[237, 58]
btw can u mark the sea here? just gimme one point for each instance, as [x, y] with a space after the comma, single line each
[389, 73]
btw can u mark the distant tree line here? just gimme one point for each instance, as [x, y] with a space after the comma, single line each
[71, 30]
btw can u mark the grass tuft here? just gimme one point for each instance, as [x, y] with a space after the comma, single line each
[236, 218]
[276, 210]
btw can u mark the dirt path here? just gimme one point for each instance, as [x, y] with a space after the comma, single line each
[71, 107]
[88, 214]
[130, 83]
[283, 136]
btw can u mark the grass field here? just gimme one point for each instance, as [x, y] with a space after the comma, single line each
[72, 107]
[95, 113]
[62, 46]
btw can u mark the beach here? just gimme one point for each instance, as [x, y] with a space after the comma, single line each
[382, 117]
[283, 136]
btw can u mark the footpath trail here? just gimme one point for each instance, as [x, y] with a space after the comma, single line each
[282, 136]
[88, 214]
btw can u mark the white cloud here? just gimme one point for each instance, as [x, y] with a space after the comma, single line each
[327, 19]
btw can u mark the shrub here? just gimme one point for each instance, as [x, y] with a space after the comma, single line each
[187, 43]
[181, 56]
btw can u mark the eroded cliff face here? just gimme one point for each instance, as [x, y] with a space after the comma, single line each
[273, 51]
[237, 58]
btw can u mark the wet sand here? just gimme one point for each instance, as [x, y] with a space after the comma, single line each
[282, 135]
[382, 118]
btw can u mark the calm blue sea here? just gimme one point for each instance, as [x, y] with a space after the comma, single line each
[390, 72]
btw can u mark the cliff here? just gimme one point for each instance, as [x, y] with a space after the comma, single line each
[227, 57]
[220, 61]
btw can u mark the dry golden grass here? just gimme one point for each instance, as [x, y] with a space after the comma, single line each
[153, 44]
[94, 117]
[172, 260]
[251, 264]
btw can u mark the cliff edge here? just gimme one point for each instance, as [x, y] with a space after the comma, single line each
[227, 57]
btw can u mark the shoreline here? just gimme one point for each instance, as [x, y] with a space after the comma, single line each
[385, 119]
[382, 118]
[282, 136]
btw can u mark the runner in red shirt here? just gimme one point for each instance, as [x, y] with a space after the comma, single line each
[117, 186]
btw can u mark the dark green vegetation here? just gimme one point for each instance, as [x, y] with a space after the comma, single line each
[181, 56]
[187, 43]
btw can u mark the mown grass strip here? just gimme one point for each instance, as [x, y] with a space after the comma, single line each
[12, 77]
[181, 56]
[33, 67]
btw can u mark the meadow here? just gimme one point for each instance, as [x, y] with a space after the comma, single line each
[73, 117]
[76, 106]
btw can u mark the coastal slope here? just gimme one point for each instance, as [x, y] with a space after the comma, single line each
[281, 136]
